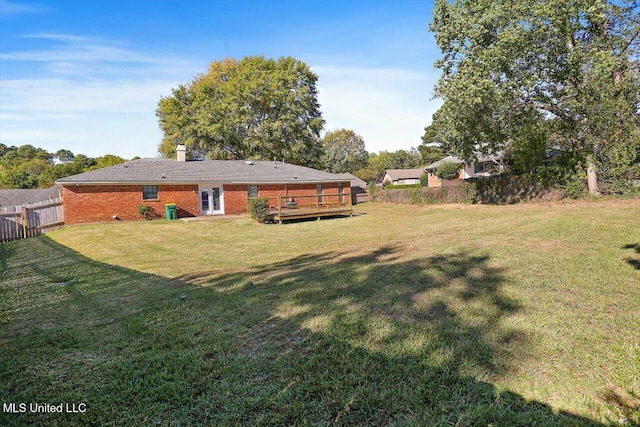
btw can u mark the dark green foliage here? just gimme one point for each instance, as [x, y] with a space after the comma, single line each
[30, 167]
[343, 151]
[430, 154]
[499, 189]
[64, 156]
[534, 75]
[449, 192]
[509, 189]
[528, 149]
[400, 159]
[147, 212]
[259, 209]
[552, 174]
[253, 108]
[448, 170]
[618, 165]
[575, 187]
[20, 178]
[424, 179]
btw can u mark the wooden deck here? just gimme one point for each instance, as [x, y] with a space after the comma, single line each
[310, 207]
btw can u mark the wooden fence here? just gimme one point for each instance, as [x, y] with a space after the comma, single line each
[20, 222]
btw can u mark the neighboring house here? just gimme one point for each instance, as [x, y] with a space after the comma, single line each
[359, 188]
[214, 187]
[402, 176]
[484, 166]
[26, 197]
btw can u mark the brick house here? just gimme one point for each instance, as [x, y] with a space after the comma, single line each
[213, 187]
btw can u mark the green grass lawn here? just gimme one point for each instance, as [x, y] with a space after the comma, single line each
[402, 315]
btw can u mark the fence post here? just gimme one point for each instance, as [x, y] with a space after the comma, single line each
[24, 223]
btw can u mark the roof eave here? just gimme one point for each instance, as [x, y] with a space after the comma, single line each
[193, 182]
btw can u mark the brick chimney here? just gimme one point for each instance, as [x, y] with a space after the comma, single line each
[182, 153]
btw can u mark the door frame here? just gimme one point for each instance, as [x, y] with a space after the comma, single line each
[209, 189]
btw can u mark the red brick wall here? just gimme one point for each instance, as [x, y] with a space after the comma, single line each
[235, 199]
[96, 203]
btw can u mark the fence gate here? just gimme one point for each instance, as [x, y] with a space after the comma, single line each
[20, 222]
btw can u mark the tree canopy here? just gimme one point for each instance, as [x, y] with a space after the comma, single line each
[401, 159]
[343, 151]
[565, 73]
[253, 108]
[30, 167]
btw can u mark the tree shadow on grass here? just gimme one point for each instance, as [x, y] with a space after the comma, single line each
[374, 339]
[368, 338]
[5, 254]
[635, 263]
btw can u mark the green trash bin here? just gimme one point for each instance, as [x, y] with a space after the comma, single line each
[171, 210]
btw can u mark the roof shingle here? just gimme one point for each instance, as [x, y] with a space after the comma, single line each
[165, 171]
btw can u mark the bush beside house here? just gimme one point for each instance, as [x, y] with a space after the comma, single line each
[259, 209]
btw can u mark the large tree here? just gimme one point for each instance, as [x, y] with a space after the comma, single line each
[564, 71]
[253, 108]
[343, 151]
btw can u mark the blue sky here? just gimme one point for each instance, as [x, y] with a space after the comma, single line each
[87, 75]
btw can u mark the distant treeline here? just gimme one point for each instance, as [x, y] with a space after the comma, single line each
[30, 167]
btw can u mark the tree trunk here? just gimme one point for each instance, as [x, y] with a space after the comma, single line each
[592, 178]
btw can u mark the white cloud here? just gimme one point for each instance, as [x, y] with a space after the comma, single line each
[66, 96]
[389, 108]
[75, 53]
[93, 118]
[95, 96]
[11, 8]
[89, 96]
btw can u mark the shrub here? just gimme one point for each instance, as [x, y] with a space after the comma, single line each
[414, 197]
[449, 192]
[424, 179]
[259, 209]
[508, 189]
[576, 186]
[147, 212]
[499, 189]
[447, 170]
[553, 174]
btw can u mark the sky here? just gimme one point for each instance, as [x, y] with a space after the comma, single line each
[87, 75]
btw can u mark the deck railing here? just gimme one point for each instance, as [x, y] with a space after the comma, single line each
[294, 207]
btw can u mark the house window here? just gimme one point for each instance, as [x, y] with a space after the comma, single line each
[319, 191]
[340, 190]
[252, 191]
[149, 192]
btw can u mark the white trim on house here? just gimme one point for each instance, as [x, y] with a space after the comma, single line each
[214, 202]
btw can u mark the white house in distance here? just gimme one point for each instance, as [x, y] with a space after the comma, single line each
[402, 176]
[484, 166]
